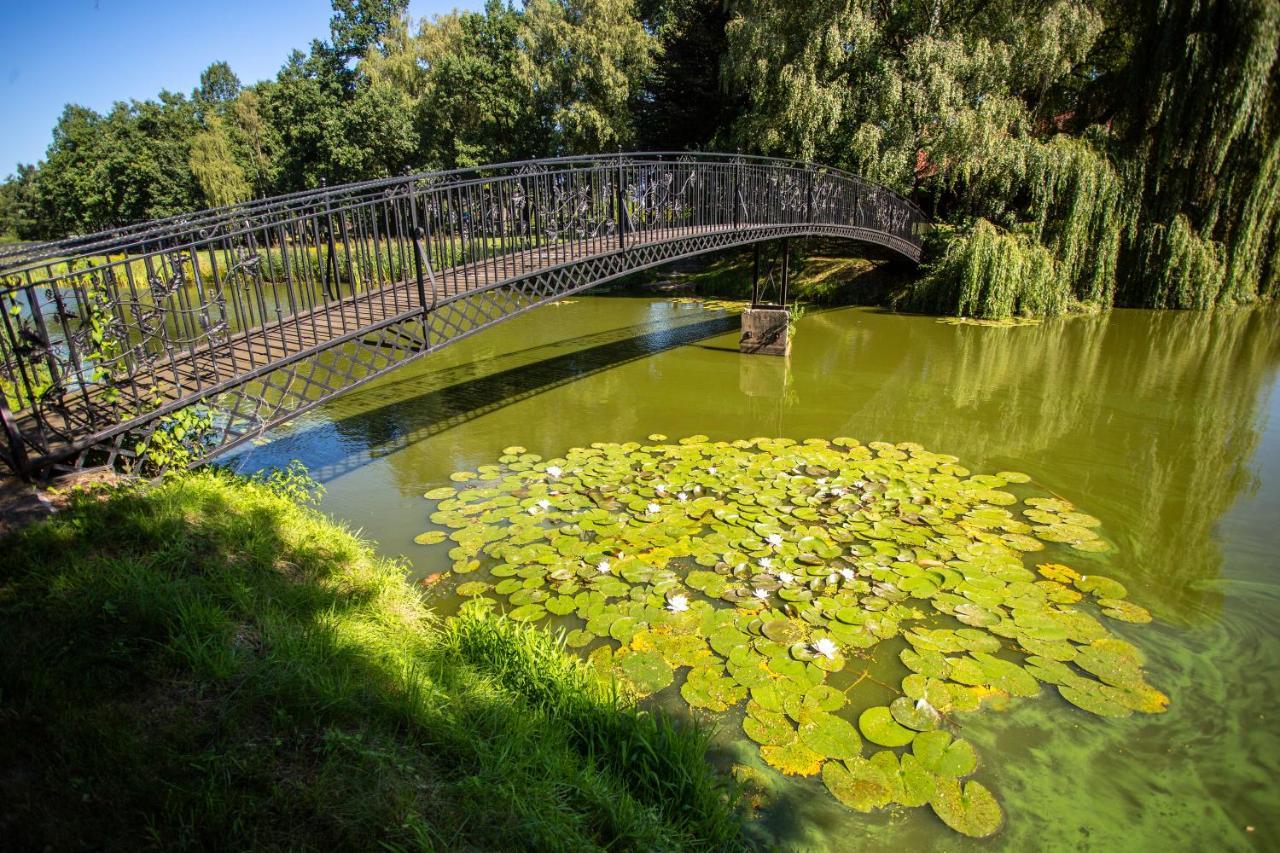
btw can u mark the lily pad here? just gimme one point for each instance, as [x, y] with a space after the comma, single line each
[769, 565]
[1124, 611]
[441, 494]
[829, 735]
[1089, 697]
[970, 810]
[792, 759]
[859, 784]
[879, 727]
[767, 727]
[940, 754]
[528, 613]
[647, 672]
[915, 714]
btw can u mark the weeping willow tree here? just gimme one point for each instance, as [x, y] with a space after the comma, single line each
[1203, 127]
[221, 179]
[1082, 153]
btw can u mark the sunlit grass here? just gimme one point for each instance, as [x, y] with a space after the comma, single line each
[201, 662]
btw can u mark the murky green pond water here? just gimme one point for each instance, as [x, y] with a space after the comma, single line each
[1165, 426]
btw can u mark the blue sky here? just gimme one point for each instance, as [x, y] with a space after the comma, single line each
[96, 52]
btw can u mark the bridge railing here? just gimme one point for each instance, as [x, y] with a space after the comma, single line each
[106, 329]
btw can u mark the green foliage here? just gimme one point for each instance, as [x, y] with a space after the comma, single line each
[990, 273]
[815, 552]
[218, 85]
[1160, 192]
[684, 104]
[221, 179]
[235, 670]
[583, 61]
[176, 442]
[1138, 144]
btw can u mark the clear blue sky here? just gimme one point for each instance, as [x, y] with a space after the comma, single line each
[96, 52]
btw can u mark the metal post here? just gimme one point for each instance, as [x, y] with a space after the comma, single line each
[17, 453]
[786, 268]
[331, 286]
[421, 264]
[737, 191]
[620, 205]
[808, 199]
[755, 276]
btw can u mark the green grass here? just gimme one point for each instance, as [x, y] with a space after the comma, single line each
[818, 276]
[202, 662]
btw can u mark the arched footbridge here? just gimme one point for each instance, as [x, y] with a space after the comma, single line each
[226, 322]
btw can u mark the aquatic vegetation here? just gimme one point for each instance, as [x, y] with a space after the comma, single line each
[732, 306]
[775, 573]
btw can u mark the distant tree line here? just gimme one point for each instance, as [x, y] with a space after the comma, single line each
[1077, 153]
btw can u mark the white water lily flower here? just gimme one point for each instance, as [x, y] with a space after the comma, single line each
[603, 567]
[765, 562]
[544, 503]
[859, 484]
[697, 490]
[761, 593]
[554, 471]
[831, 578]
[712, 470]
[682, 497]
[837, 490]
[826, 647]
[678, 604]
[534, 510]
[660, 489]
[652, 509]
[786, 577]
[847, 574]
[774, 539]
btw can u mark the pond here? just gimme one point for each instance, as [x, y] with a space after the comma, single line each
[1164, 426]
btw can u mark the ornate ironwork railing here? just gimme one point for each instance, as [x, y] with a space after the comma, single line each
[255, 312]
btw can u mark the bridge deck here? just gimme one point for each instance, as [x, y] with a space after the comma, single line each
[203, 368]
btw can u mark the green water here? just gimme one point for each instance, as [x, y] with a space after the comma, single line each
[1164, 425]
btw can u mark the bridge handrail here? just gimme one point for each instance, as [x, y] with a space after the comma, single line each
[18, 259]
[104, 332]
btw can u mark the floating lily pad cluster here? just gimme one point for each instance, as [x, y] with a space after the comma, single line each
[774, 573]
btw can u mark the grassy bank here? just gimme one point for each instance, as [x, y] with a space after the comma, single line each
[822, 273]
[204, 663]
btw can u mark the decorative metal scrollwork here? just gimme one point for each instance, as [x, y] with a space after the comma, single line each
[260, 310]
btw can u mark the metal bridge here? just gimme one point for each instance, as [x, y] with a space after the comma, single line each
[245, 316]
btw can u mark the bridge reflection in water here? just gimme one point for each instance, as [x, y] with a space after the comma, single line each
[254, 313]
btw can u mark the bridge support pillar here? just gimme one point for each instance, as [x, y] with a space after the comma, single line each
[764, 332]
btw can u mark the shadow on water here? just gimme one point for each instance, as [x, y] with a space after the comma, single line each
[1155, 422]
[417, 408]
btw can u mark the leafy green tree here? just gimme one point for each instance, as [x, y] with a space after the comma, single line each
[256, 140]
[19, 205]
[303, 104]
[215, 168]
[683, 104]
[584, 61]
[218, 84]
[357, 25]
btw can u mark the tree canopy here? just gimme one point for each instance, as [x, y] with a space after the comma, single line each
[1075, 153]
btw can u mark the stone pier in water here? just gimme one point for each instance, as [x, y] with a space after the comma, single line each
[764, 332]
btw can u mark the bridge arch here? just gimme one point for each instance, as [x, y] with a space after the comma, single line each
[250, 314]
